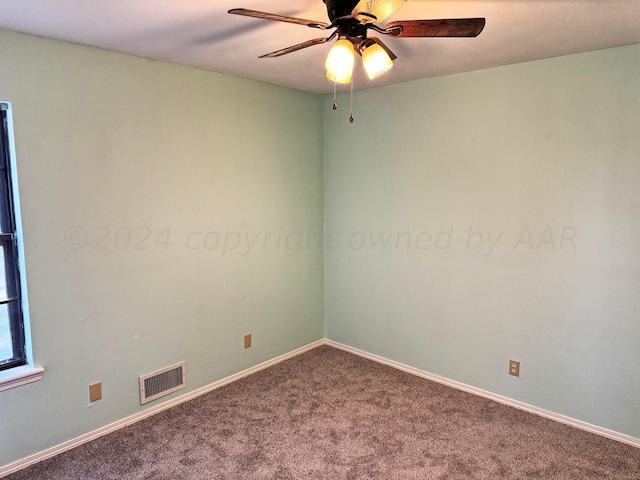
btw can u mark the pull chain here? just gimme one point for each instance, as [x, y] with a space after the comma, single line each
[351, 120]
[335, 104]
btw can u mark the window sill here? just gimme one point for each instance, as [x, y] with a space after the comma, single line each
[14, 377]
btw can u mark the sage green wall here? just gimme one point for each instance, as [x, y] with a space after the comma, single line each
[529, 154]
[109, 144]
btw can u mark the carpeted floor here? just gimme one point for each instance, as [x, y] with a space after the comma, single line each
[328, 414]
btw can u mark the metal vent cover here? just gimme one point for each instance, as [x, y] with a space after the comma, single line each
[162, 382]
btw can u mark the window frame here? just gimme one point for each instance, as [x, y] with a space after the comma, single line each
[20, 370]
[9, 242]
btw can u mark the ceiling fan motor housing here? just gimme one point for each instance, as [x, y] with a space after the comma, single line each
[337, 9]
[348, 27]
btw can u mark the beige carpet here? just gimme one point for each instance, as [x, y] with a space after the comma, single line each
[328, 414]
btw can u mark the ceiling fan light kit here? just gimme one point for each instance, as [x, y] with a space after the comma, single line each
[340, 61]
[352, 20]
[375, 59]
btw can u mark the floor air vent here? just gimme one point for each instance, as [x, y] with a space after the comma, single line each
[162, 382]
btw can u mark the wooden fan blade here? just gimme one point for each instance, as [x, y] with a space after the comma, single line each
[460, 27]
[392, 55]
[295, 48]
[279, 18]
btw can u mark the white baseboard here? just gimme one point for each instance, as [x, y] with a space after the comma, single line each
[87, 437]
[604, 432]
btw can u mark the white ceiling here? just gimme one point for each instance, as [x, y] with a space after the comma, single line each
[200, 33]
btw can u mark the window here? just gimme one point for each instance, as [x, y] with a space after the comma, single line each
[12, 329]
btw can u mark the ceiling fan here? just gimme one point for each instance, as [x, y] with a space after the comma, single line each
[352, 21]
